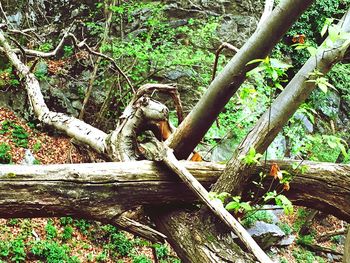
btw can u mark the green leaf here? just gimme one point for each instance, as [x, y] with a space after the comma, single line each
[246, 206]
[270, 195]
[279, 86]
[285, 203]
[274, 75]
[232, 206]
[323, 87]
[312, 50]
[255, 61]
[222, 196]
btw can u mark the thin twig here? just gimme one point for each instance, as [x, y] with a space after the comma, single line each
[82, 44]
[4, 14]
[217, 53]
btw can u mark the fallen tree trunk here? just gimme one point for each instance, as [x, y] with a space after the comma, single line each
[102, 191]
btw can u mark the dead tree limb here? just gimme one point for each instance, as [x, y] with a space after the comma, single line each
[217, 208]
[318, 248]
[330, 234]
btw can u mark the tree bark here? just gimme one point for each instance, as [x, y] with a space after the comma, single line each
[346, 257]
[235, 175]
[101, 191]
[285, 105]
[193, 128]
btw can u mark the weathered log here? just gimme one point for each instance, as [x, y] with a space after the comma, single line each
[218, 209]
[101, 191]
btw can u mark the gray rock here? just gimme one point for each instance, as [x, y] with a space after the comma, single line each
[235, 29]
[278, 148]
[223, 151]
[309, 127]
[330, 104]
[77, 104]
[266, 234]
[286, 241]
[178, 73]
[28, 158]
[16, 18]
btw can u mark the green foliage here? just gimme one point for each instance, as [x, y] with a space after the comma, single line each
[120, 243]
[5, 155]
[13, 249]
[46, 47]
[285, 228]
[162, 251]
[320, 81]
[339, 76]
[260, 215]
[280, 200]
[234, 203]
[37, 146]
[141, 259]
[307, 239]
[102, 257]
[312, 24]
[83, 225]
[156, 46]
[237, 206]
[67, 233]
[50, 229]
[18, 134]
[336, 239]
[68, 50]
[52, 252]
[8, 78]
[304, 256]
[252, 157]
[325, 148]
[299, 222]
[66, 221]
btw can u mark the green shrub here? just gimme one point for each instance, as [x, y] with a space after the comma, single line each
[50, 229]
[5, 156]
[261, 215]
[52, 252]
[66, 221]
[121, 243]
[67, 232]
[141, 259]
[161, 251]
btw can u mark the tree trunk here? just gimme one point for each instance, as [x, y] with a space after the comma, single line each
[193, 128]
[235, 175]
[101, 191]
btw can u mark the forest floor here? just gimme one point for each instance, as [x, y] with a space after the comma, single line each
[76, 240]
